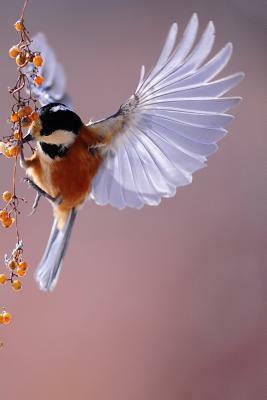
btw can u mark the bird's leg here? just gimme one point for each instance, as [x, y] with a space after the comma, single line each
[35, 204]
[40, 192]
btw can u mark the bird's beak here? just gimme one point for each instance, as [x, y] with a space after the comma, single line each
[27, 138]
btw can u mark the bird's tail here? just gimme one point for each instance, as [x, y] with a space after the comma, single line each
[49, 268]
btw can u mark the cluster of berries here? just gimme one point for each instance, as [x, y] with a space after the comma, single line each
[23, 55]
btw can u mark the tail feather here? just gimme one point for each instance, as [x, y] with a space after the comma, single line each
[48, 270]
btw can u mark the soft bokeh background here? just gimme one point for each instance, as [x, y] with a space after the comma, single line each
[165, 303]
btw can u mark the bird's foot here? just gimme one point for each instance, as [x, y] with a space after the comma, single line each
[40, 192]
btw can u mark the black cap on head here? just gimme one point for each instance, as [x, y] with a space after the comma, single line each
[56, 116]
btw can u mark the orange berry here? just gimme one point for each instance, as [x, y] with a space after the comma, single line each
[6, 317]
[7, 196]
[12, 265]
[21, 60]
[14, 117]
[16, 285]
[34, 116]
[3, 279]
[13, 151]
[23, 265]
[8, 222]
[3, 214]
[13, 51]
[38, 80]
[1, 319]
[24, 111]
[21, 272]
[18, 26]
[17, 134]
[37, 60]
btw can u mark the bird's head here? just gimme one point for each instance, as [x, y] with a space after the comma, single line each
[55, 130]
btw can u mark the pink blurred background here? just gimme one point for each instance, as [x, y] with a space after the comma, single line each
[166, 303]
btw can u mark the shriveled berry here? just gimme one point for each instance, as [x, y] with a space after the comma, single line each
[6, 317]
[3, 279]
[13, 51]
[18, 26]
[7, 196]
[37, 60]
[25, 122]
[14, 117]
[12, 265]
[21, 60]
[16, 285]
[38, 80]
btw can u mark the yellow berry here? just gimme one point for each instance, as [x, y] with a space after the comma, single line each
[16, 285]
[7, 196]
[37, 60]
[12, 265]
[3, 214]
[18, 26]
[14, 117]
[21, 272]
[21, 60]
[13, 52]
[38, 80]
[3, 279]
[6, 317]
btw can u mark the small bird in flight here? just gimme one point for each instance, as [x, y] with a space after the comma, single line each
[161, 135]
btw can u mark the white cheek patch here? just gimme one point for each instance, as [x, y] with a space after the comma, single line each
[59, 137]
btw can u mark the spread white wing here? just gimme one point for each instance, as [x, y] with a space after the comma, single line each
[169, 127]
[54, 87]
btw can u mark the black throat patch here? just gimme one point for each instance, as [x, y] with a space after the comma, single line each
[53, 150]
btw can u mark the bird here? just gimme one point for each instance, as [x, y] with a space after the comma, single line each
[151, 146]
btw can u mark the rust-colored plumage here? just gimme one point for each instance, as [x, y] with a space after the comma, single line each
[69, 177]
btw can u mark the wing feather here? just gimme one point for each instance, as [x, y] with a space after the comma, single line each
[168, 128]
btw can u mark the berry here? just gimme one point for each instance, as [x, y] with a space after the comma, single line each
[3, 279]
[13, 151]
[24, 111]
[38, 80]
[21, 60]
[7, 196]
[13, 52]
[16, 285]
[34, 116]
[18, 26]
[17, 134]
[37, 60]
[2, 147]
[3, 214]
[1, 319]
[6, 317]
[12, 265]
[14, 117]
[23, 265]
[21, 272]
[8, 222]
